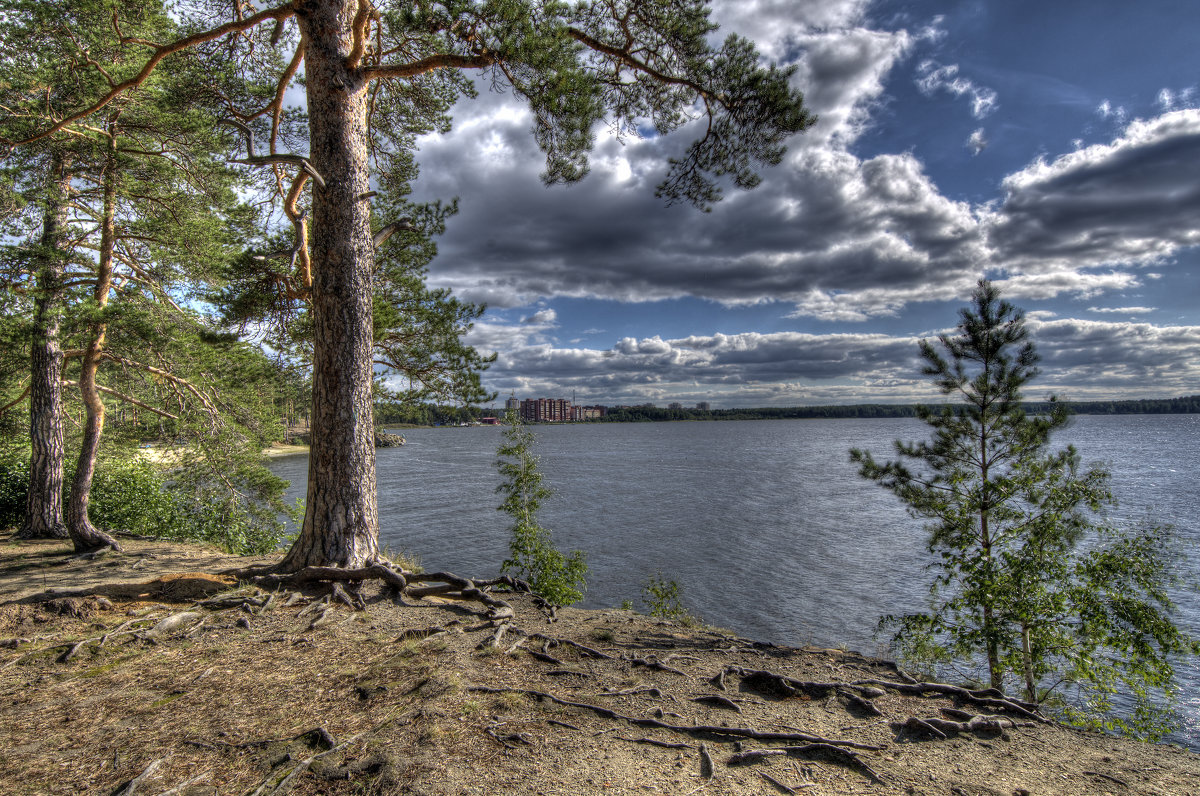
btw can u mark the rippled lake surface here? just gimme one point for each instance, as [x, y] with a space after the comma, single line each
[765, 524]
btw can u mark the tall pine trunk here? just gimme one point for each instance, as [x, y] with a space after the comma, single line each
[341, 518]
[43, 507]
[84, 535]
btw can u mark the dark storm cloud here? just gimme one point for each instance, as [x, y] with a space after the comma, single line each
[829, 234]
[1133, 201]
[728, 368]
[838, 236]
[1081, 360]
[824, 223]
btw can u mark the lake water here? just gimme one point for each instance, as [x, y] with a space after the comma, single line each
[765, 524]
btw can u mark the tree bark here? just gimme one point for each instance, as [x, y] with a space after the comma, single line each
[43, 506]
[1027, 658]
[341, 518]
[85, 536]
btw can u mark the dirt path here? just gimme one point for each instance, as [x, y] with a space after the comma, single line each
[431, 698]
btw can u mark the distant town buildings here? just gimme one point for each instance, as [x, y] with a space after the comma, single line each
[561, 410]
[553, 410]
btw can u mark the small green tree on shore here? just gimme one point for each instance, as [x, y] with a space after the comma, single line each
[558, 578]
[1031, 584]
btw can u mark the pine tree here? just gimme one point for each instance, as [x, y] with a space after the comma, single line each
[558, 578]
[378, 75]
[1017, 592]
[150, 208]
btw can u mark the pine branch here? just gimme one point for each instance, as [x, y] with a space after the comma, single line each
[161, 51]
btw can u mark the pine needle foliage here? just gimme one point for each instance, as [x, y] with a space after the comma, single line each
[557, 577]
[1032, 585]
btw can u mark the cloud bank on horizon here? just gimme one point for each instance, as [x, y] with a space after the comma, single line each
[1049, 148]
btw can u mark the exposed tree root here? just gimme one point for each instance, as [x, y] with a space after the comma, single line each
[256, 602]
[707, 769]
[444, 584]
[417, 634]
[718, 701]
[656, 742]
[650, 691]
[838, 753]
[130, 788]
[782, 786]
[687, 729]
[987, 698]
[784, 686]
[184, 621]
[586, 650]
[655, 665]
[544, 657]
[965, 723]
[271, 576]
[182, 787]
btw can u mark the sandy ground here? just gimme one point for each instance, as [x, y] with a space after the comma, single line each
[153, 664]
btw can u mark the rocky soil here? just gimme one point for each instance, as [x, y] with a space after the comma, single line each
[152, 673]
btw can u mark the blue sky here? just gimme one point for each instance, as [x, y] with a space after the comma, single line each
[1053, 147]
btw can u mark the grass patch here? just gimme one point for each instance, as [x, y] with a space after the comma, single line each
[168, 699]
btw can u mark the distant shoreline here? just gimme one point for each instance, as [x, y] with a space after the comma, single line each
[278, 450]
[651, 414]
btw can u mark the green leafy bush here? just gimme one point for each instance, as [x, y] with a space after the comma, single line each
[139, 497]
[662, 597]
[14, 485]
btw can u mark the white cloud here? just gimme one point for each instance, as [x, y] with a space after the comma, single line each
[1122, 310]
[1099, 359]
[977, 142]
[1169, 100]
[1106, 110]
[541, 317]
[933, 77]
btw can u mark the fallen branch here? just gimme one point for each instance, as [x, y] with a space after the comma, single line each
[510, 741]
[1109, 777]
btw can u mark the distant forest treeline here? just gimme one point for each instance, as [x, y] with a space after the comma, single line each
[636, 414]
[389, 413]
